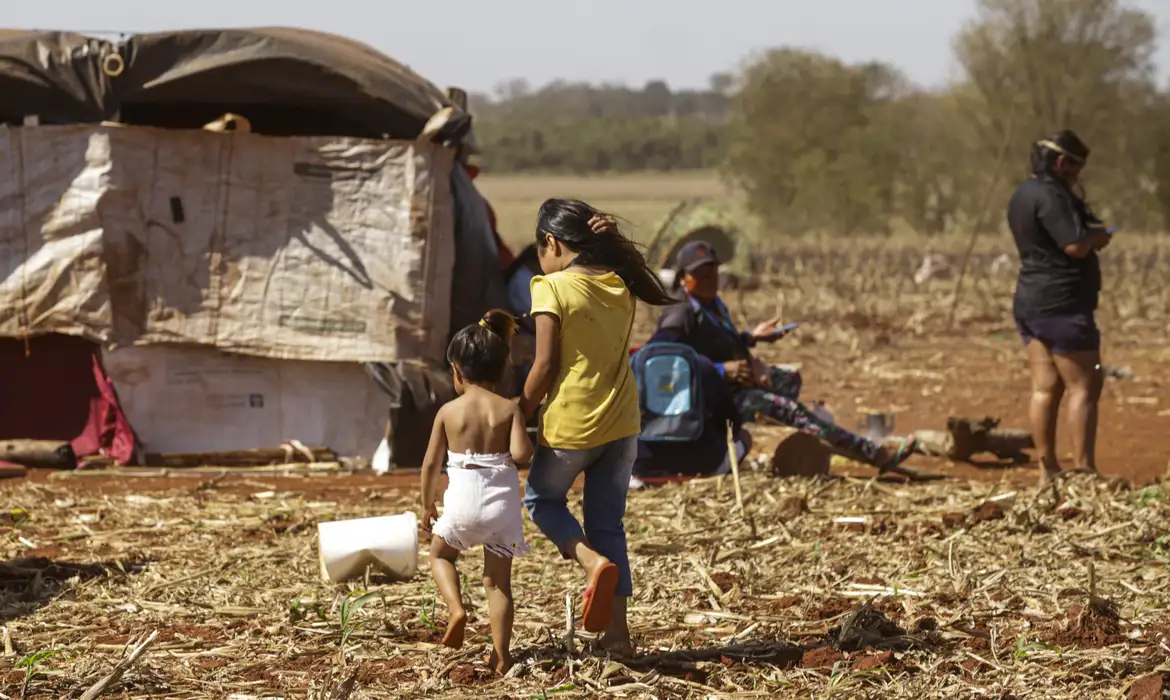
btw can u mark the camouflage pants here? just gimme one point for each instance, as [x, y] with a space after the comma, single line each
[782, 405]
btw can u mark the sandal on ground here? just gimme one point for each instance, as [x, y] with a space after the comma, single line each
[906, 447]
[597, 608]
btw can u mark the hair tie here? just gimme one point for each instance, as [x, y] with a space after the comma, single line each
[483, 323]
[1053, 146]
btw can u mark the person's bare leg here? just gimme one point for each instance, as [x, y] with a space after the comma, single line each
[1044, 409]
[617, 636]
[586, 556]
[1084, 380]
[446, 577]
[497, 583]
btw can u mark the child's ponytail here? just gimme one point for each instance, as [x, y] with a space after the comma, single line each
[567, 220]
[502, 323]
[480, 351]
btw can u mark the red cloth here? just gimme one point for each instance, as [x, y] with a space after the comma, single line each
[61, 392]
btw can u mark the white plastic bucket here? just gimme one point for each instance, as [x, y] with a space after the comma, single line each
[389, 543]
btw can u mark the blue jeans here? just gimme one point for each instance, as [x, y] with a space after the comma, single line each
[607, 471]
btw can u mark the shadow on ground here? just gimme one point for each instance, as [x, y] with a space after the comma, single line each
[30, 583]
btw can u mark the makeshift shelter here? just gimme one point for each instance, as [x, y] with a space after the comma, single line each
[63, 394]
[237, 282]
[701, 219]
[287, 82]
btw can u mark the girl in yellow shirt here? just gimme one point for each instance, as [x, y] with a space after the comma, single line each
[583, 306]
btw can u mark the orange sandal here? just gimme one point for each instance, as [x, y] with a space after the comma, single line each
[597, 608]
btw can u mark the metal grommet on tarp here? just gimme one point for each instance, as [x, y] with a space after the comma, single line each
[113, 65]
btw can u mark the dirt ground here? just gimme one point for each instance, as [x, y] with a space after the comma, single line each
[925, 380]
[978, 598]
[921, 380]
[970, 597]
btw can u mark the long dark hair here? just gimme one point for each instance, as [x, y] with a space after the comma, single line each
[567, 220]
[480, 350]
[1046, 152]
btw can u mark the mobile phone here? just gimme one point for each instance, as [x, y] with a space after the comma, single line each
[782, 331]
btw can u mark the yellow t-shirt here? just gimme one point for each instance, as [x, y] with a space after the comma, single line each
[594, 398]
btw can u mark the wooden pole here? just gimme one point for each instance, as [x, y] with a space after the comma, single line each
[733, 455]
[992, 183]
[49, 454]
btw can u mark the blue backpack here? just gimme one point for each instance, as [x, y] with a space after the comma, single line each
[670, 392]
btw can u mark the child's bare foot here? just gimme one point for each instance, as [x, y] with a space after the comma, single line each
[500, 664]
[456, 626]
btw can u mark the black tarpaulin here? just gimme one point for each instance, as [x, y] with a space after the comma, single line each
[293, 80]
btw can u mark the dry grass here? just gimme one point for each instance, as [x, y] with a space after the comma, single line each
[971, 604]
[725, 605]
[642, 200]
[863, 275]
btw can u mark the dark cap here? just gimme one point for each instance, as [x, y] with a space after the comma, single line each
[695, 254]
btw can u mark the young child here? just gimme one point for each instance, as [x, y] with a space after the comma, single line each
[584, 311]
[482, 437]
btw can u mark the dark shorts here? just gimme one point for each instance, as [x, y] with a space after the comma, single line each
[1062, 334]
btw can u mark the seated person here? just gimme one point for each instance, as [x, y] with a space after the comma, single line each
[706, 456]
[702, 321]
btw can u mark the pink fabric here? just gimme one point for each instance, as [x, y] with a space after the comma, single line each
[61, 392]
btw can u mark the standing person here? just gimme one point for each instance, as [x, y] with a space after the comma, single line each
[481, 436]
[584, 310]
[1058, 237]
[701, 320]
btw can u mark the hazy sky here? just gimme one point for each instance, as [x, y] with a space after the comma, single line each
[478, 44]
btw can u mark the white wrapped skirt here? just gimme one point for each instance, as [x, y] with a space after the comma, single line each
[482, 505]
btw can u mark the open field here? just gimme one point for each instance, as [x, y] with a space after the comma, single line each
[873, 338]
[979, 591]
[641, 200]
[986, 588]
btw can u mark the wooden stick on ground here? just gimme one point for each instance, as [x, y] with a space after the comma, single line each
[733, 455]
[48, 454]
[104, 684]
[12, 471]
[569, 627]
[345, 688]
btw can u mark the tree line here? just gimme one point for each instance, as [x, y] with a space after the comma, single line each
[582, 128]
[818, 144]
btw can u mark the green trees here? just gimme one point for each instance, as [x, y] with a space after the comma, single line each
[818, 144]
[1035, 66]
[581, 128]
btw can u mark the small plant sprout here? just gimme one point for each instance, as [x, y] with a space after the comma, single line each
[32, 665]
[349, 606]
[426, 613]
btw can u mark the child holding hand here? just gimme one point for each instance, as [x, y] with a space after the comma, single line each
[481, 436]
[584, 307]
